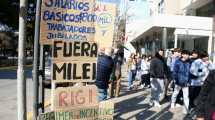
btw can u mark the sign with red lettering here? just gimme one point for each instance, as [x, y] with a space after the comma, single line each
[68, 20]
[75, 97]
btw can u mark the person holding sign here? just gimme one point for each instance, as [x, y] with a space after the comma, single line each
[104, 69]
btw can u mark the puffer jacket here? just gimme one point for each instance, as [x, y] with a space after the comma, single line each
[181, 72]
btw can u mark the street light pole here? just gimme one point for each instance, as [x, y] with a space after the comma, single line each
[35, 63]
[21, 82]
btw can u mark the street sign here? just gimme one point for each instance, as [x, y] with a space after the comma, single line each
[68, 20]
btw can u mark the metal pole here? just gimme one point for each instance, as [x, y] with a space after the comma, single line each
[21, 82]
[42, 70]
[35, 68]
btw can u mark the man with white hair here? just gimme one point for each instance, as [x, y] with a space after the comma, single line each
[104, 69]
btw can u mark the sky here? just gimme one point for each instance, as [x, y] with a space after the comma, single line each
[138, 9]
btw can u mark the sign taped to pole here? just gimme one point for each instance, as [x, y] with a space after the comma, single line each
[74, 60]
[105, 23]
[68, 20]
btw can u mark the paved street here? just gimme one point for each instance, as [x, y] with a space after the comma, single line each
[8, 94]
[131, 105]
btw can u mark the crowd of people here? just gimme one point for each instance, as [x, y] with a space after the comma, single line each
[185, 76]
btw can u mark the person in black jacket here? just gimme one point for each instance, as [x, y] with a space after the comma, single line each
[158, 71]
[205, 104]
[104, 69]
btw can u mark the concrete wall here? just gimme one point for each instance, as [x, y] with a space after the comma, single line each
[172, 7]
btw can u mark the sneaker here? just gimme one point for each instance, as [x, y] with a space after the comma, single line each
[157, 104]
[142, 86]
[129, 88]
[151, 103]
[177, 105]
[172, 105]
[184, 111]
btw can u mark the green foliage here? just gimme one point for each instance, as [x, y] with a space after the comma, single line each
[9, 12]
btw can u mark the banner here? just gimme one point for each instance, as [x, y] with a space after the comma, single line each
[67, 20]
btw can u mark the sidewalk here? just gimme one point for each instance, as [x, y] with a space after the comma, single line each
[134, 105]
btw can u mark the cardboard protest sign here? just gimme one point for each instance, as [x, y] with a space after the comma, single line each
[74, 60]
[104, 111]
[105, 23]
[68, 20]
[66, 51]
[108, 110]
[67, 71]
[68, 98]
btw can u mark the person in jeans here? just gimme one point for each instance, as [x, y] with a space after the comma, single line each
[176, 54]
[104, 69]
[181, 77]
[158, 70]
[199, 71]
[131, 70]
[145, 77]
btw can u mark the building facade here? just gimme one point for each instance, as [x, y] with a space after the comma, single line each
[185, 24]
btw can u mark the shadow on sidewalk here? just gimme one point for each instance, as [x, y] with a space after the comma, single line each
[132, 108]
[135, 107]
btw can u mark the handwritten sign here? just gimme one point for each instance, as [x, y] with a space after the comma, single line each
[66, 51]
[104, 25]
[68, 20]
[75, 97]
[74, 60]
[104, 111]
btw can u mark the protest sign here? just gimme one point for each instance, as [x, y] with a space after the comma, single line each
[68, 98]
[68, 20]
[74, 60]
[104, 25]
[104, 111]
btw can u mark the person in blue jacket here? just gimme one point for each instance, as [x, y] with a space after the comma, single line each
[181, 77]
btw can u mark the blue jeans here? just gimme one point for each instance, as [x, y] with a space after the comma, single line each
[130, 79]
[185, 96]
[157, 88]
[102, 94]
